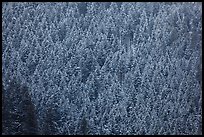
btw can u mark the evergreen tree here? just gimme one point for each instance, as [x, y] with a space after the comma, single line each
[19, 115]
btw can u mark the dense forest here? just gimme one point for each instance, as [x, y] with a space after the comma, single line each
[101, 68]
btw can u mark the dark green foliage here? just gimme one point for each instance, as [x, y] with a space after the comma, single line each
[19, 115]
[84, 126]
[82, 6]
[51, 119]
[25, 55]
[137, 82]
[62, 32]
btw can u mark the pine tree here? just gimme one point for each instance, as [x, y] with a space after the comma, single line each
[84, 126]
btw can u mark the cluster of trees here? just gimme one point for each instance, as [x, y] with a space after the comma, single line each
[101, 68]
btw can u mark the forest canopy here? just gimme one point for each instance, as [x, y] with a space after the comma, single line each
[101, 68]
